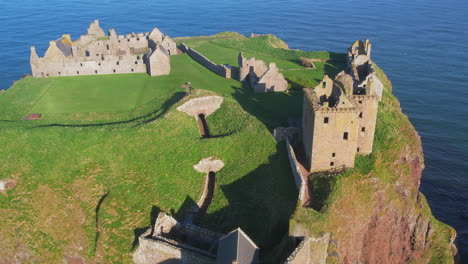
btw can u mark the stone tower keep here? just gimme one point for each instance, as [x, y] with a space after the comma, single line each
[340, 116]
[330, 124]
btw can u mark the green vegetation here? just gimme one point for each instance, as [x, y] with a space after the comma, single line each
[224, 48]
[95, 178]
[111, 151]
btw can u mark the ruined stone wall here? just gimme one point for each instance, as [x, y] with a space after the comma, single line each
[43, 67]
[164, 250]
[159, 62]
[330, 148]
[367, 117]
[300, 179]
[253, 67]
[221, 70]
[301, 254]
[308, 123]
[97, 53]
[271, 81]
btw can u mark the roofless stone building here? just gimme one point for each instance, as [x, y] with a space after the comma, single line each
[339, 116]
[98, 53]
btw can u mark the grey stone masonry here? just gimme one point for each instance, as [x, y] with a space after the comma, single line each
[98, 53]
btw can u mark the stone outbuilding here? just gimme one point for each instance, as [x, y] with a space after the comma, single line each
[261, 78]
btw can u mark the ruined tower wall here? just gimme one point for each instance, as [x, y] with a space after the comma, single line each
[331, 147]
[74, 67]
[159, 62]
[367, 116]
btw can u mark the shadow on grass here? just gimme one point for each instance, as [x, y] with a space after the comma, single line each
[137, 121]
[272, 108]
[139, 231]
[98, 207]
[261, 202]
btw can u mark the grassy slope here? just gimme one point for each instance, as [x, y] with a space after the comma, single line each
[87, 185]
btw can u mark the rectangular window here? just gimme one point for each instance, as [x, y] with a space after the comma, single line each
[360, 115]
[357, 149]
[363, 129]
[333, 154]
[332, 163]
[324, 85]
[325, 120]
[345, 135]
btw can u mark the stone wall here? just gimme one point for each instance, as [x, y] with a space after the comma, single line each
[311, 251]
[300, 178]
[158, 250]
[301, 255]
[367, 116]
[221, 70]
[261, 78]
[97, 53]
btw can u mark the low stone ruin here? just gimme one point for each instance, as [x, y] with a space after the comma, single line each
[261, 78]
[200, 108]
[173, 242]
[98, 53]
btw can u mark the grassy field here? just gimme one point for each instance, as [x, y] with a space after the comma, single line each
[224, 48]
[90, 182]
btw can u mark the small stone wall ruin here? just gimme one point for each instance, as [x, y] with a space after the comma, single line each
[200, 108]
[261, 78]
[221, 70]
[300, 175]
[310, 251]
[173, 242]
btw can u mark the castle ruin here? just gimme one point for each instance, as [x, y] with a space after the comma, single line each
[98, 53]
[261, 78]
[339, 116]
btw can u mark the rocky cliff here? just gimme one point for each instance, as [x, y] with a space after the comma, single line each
[375, 212]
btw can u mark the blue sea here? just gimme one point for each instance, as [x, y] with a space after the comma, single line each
[421, 45]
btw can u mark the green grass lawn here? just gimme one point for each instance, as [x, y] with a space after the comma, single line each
[225, 48]
[111, 150]
[93, 180]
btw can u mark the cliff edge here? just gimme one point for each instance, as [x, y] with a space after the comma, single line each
[375, 212]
